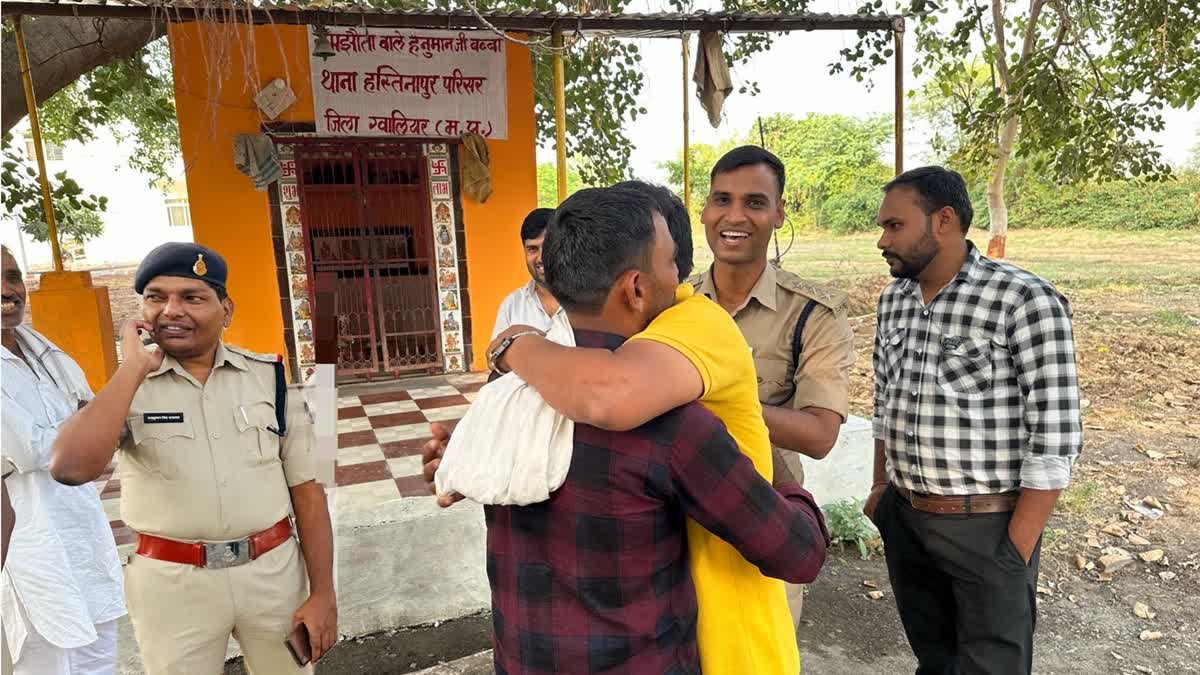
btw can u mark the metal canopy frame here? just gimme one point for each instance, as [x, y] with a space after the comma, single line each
[554, 25]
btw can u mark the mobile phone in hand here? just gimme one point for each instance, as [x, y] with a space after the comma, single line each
[298, 645]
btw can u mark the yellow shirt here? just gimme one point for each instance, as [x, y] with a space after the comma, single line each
[744, 625]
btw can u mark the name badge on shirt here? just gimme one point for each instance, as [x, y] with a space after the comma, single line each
[162, 418]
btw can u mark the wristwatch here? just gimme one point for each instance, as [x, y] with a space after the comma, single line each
[494, 355]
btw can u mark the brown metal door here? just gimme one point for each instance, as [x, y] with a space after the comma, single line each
[365, 208]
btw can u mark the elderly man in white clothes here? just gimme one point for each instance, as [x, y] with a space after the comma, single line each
[61, 591]
[531, 304]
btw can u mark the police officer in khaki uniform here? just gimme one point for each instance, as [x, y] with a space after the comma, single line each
[216, 478]
[802, 342]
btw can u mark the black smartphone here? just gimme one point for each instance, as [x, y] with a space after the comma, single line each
[297, 643]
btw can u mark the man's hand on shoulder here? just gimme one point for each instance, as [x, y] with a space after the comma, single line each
[515, 329]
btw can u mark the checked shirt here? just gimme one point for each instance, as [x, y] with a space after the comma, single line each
[596, 578]
[977, 392]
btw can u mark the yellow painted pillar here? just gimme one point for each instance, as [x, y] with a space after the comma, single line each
[67, 308]
[687, 153]
[76, 316]
[560, 117]
[35, 130]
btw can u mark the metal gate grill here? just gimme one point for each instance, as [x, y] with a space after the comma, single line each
[366, 218]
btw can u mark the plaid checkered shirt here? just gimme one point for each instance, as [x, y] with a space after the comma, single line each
[977, 391]
[596, 579]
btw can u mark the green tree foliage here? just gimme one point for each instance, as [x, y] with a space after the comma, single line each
[132, 99]
[833, 163]
[1095, 76]
[1070, 86]
[547, 184]
[77, 214]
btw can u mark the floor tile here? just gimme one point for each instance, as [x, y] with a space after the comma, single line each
[356, 438]
[453, 412]
[361, 473]
[397, 419]
[111, 489]
[391, 408]
[403, 448]
[412, 486]
[432, 392]
[359, 455]
[347, 401]
[466, 379]
[403, 433]
[354, 424]
[384, 397]
[470, 388]
[405, 466]
[441, 401]
[112, 508]
[365, 495]
[349, 412]
[471, 396]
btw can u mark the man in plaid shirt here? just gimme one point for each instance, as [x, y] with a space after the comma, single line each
[976, 424]
[596, 578]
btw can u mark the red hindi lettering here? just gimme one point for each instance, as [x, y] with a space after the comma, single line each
[337, 123]
[339, 81]
[391, 43]
[384, 77]
[352, 41]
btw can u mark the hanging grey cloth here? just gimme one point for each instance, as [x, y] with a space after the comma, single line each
[255, 156]
[713, 82]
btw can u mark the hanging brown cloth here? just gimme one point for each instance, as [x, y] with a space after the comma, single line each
[713, 82]
[477, 178]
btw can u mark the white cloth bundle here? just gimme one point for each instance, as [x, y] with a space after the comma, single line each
[510, 448]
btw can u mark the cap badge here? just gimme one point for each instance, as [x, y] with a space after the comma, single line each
[200, 269]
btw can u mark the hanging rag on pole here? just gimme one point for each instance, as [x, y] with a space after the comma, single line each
[476, 176]
[712, 78]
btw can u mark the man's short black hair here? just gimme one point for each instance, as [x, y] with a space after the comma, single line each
[750, 155]
[595, 236]
[678, 221]
[936, 188]
[535, 223]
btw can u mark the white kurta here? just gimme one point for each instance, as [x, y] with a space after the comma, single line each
[62, 576]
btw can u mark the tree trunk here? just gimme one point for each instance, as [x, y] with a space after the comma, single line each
[61, 49]
[997, 207]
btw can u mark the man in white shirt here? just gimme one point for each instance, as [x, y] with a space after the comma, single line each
[61, 591]
[531, 304]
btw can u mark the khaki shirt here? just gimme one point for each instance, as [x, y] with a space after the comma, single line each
[198, 462]
[768, 322]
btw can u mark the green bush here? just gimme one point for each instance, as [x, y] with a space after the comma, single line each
[852, 207]
[1117, 205]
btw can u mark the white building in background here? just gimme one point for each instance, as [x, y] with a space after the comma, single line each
[140, 216]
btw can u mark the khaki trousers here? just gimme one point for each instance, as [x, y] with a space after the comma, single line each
[183, 615]
[795, 592]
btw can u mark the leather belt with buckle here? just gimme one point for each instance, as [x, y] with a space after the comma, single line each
[1004, 502]
[215, 555]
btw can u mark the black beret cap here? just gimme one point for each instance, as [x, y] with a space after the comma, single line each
[181, 259]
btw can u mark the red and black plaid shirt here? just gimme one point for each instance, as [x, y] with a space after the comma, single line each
[596, 579]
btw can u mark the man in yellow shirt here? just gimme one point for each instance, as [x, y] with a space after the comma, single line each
[691, 351]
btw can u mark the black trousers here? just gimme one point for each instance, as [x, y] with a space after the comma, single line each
[965, 596]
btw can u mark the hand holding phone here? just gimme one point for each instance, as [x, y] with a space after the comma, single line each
[298, 645]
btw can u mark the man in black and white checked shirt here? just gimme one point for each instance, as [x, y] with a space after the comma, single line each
[976, 427]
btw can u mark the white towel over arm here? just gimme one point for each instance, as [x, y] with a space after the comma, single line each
[510, 448]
